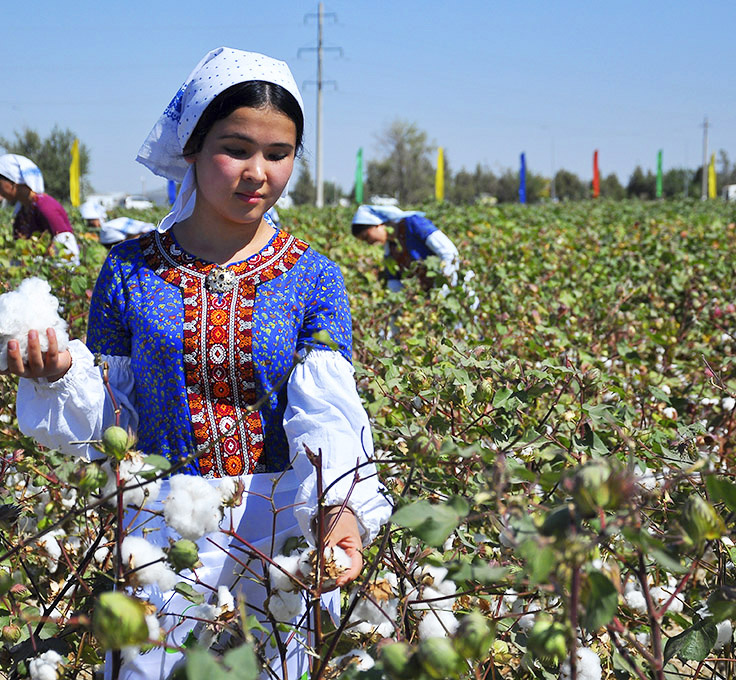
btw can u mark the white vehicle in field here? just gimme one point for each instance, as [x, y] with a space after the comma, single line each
[137, 203]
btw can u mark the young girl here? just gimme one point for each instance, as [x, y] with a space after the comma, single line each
[203, 318]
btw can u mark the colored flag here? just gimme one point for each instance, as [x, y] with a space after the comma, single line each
[522, 180]
[712, 176]
[596, 176]
[171, 190]
[439, 177]
[659, 173]
[74, 176]
[359, 176]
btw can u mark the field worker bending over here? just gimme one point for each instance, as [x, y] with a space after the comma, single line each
[115, 230]
[199, 322]
[21, 183]
[412, 237]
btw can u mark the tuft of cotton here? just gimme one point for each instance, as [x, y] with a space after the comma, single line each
[289, 563]
[370, 619]
[51, 548]
[661, 594]
[45, 666]
[437, 623]
[357, 658]
[154, 629]
[285, 606]
[147, 564]
[634, 598]
[137, 490]
[193, 507]
[29, 307]
[728, 403]
[225, 600]
[588, 665]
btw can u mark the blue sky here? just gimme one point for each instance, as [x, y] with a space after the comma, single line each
[485, 79]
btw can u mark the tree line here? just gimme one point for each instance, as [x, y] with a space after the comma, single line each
[405, 170]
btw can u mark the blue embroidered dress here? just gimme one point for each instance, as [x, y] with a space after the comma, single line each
[201, 358]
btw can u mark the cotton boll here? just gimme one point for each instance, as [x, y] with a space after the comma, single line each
[588, 665]
[146, 563]
[634, 598]
[137, 490]
[193, 507]
[51, 548]
[357, 657]
[30, 307]
[225, 600]
[154, 629]
[661, 594]
[725, 633]
[285, 606]
[45, 666]
[371, 619]
[437, 623]
[290, 564]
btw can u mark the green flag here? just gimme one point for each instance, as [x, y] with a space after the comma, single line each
[659, 173]
[359, 177]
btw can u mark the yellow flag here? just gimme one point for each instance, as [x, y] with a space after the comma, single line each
[712, 176]
[74, 175]
[439, 178]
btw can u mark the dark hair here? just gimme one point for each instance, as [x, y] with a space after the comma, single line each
[358, 228]
[255, 94]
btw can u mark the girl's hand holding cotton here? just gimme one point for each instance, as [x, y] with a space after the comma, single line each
[31, 307]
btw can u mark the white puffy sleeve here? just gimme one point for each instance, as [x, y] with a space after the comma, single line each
[77, 407]
[445, 249]
[324, 412]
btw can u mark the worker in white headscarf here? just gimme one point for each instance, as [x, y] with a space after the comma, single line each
[35, 212]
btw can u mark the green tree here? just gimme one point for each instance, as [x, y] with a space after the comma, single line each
[304, 190]
[678, 182]
[641, 185]
[569, 187]
[467, 187]
[52, 155]
[612, 188]
[332, 193]
[407, 170]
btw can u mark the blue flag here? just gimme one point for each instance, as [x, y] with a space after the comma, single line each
[172, 191]
[522, 180]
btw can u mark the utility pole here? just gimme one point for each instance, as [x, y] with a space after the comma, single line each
[318, 151]
[704, 178]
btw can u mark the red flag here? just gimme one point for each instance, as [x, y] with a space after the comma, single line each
[596, 176]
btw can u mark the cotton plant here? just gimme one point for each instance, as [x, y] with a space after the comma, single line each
[46, 666]
[146, 565]
[137, 489]
[376, 613]
[29, 307]
[588, 665]
[193, 508]
[212, 617]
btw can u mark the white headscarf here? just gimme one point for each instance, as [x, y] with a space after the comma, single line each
[21, 170]
[372, 215]
[162, 152]
[92, 210]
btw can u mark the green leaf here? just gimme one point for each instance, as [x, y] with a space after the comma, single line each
[187, 591]
[540, 560]
[501, 397]
[667, 562]
[601, 603]
[478, 571]
[323, 337]
[693, 644]
[242, 663]
[158, 463]
[722, 604]
[721, 490]
[431, 523]
[201, 664]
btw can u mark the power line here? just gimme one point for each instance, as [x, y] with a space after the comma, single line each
[319, 49]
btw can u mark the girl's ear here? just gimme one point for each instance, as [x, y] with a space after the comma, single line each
[190, 158]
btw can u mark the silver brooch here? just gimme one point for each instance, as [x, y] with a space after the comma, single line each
[220, 280]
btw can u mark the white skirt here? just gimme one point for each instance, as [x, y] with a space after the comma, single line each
[265, 519]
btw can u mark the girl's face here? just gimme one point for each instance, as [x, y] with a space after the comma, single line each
[244, 164]
[375, 234]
